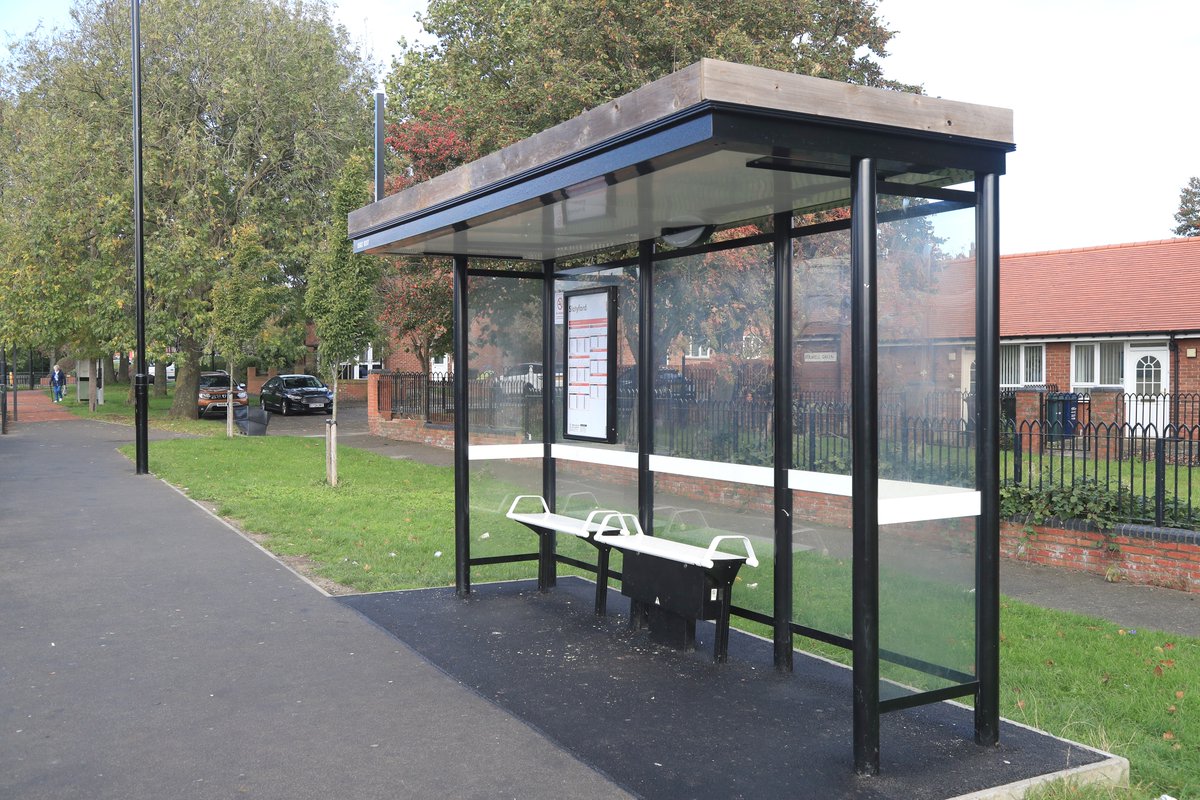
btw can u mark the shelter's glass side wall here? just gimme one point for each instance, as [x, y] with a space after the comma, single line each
[714, 403]
[713, 344]
[926, 325]
[504, 339]
[821, 441]
[494, 485]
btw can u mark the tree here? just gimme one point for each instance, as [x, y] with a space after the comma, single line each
[1188, 215]
[341, 294]
[417, 307]
[516, 67]
[245, 298]
[250, 107]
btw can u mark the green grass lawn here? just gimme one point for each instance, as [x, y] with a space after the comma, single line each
[389, 525]
[118, 408]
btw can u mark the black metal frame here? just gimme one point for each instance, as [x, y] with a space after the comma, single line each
[775, 135]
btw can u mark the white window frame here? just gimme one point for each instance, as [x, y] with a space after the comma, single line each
[1024, 364]
[1097, 365]
[353, 369]
[698, 351]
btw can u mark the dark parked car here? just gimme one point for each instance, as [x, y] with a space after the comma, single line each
[293, 394]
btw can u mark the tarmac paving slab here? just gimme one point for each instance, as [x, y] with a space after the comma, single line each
[151, 652]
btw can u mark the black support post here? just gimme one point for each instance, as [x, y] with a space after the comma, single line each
[864, 381]
[548, 543]
[462, 497]
[141, 389]
[646, 376]
[987, 464]
[3, 392]
[783, 441]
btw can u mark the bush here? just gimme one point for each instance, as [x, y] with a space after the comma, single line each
[1083, 499]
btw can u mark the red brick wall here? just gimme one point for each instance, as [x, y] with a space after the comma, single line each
[1120, 556]
[1189, 366]
[1058, 365]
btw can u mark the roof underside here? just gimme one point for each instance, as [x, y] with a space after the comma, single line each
[714, 144]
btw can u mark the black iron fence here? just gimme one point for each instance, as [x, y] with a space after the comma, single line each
[1129, 472]
[1139, 472]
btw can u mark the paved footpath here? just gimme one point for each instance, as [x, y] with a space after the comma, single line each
[151, 652]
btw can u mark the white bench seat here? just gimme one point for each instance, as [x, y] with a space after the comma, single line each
[596, 522]
[638, 542]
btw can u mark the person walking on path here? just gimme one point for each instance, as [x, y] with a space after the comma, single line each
[58, 381]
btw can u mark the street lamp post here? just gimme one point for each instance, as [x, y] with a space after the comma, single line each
[140, 388]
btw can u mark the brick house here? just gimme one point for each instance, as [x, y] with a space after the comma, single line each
[1119, 319]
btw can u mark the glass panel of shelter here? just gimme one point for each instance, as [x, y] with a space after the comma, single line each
[821, 434]
[713, 430]
[504, 418]
[927, 502]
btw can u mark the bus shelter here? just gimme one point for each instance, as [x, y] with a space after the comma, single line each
[739, 301]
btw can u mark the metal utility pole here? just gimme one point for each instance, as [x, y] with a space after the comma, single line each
[141, 394]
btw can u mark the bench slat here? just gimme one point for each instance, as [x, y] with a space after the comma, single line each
[562, 524]
[666, 548]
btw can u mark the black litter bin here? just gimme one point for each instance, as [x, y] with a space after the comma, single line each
[251, 421]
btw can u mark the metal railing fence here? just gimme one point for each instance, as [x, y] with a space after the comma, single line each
[1151, 471]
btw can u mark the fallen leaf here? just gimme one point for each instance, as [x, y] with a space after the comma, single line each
[1021, 704]
[1171, 709]
[1049, 662]
[1158, 671]
[1168, 736]
[1169, 646]
[1179, 695]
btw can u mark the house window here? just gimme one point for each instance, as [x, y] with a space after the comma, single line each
[1100, 363]
[1021, 365]
[698, 350]
[1148, 376]
[1112, 364]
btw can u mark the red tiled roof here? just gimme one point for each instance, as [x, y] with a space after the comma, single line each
[1123, 288]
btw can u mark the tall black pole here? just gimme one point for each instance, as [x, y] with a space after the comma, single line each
[3, 392]
[783, 441]
[462, 486]
[140, 389]
[547, 540]
[987, 465]
[864, 388]
[646, 376]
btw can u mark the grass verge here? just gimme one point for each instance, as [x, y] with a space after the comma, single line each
[118, 408]
[389, 525]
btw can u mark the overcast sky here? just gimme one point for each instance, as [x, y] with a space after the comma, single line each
[1103, 95]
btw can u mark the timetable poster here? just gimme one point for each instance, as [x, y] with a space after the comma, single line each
[591, 326]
